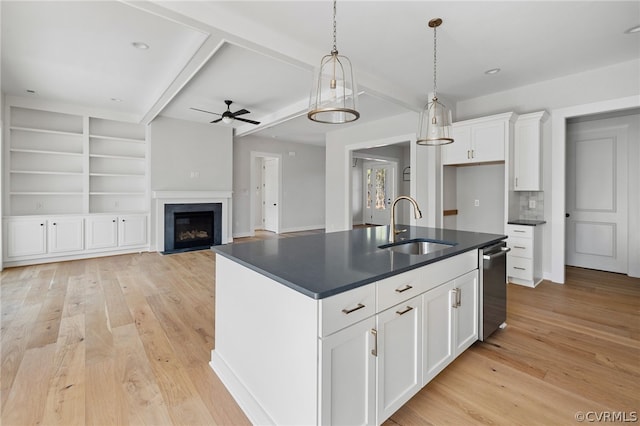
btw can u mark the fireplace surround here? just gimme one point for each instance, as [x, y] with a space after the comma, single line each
[192, 226]
[162, 198]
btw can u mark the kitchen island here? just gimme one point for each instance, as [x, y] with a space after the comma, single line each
[332, 329]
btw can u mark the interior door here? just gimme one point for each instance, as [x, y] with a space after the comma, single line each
[380, 184]
[596, 195]
[271, 190]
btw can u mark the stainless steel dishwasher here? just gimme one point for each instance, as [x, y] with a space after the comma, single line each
[493, 289]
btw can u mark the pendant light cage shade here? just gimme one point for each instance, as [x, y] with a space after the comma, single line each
[434, 127]
[334, 95]
[435, 124]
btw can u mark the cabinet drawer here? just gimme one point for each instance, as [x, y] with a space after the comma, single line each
[520, 231]
[520, 267]
[397, 289]
[520, 247]
[344, 309]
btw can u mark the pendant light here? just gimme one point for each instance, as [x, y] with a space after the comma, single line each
[334, 94]
[435, 125]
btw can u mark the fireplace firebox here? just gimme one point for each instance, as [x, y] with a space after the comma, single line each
[192, 226]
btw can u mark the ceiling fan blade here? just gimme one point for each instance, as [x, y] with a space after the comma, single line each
[247, 121]
[217, 121]
[240, 112]
[208, 112]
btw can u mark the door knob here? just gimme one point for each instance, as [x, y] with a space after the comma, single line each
[567, 215]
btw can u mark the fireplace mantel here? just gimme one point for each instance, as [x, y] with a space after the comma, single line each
[160, 198]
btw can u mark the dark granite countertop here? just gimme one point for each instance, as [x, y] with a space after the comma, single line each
[527, 222]
[322, 265]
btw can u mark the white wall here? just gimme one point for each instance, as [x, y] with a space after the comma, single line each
[594, 86]
[181, 149]
[303, 183]
[398, 129]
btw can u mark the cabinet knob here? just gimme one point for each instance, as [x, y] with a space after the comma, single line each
[42, 224]
[123, 220]
[54, 224]
[114, 221]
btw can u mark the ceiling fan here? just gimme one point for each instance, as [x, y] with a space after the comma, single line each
[227, 117]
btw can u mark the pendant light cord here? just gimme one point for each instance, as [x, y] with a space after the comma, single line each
[435, 56]
[335, 48]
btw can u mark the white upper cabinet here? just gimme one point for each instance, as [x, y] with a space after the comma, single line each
[527, 152]
[480, 140]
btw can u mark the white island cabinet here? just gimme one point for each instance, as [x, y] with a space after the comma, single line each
[352, 358]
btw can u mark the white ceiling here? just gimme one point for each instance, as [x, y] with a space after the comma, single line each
[261, 54]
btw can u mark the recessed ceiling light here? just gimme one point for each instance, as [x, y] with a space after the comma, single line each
[492, 71]
[140, 45]
[116, 99]
[633, 30]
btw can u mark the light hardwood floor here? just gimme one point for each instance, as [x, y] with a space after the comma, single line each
[127, 340]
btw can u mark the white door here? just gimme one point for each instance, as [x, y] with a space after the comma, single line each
[466, 312]
[271, 208]
[132, 230]
[438, 330]
[348, 376]
[596, 195]
[66, 234]
[380, 191]
[399, 356]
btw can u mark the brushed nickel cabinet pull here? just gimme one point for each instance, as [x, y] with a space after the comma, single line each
[518, 230]
[516, 182]
[409, 308]
[519, 247]
[348, 311]
[374, 351]
[454, 303]
[473, 153]
[458, 297]
[517, 267]
[403, 289]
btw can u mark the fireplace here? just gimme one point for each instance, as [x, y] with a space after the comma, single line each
[194, 226]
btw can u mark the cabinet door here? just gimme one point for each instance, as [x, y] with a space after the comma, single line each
[66, 234]
[466, 312]
[527, 156]
[488, 142]
[132, 230]
[102, 232]
[347, 376]
[438, 330]
[399, 372]
[26, 237]
[460, 150]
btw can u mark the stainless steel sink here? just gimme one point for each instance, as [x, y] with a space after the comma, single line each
[417, 246]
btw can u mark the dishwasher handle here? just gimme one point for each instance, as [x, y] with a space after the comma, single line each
[503, 251]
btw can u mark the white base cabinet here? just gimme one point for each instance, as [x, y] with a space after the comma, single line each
[377, 345]
[524, 261]
[42, 239]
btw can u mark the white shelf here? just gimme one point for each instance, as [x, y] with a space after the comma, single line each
[117, 174]
[117, 138]
[36, 130]
[44, 193]
[44, 172]
[117, 193]
[44, 152]
[120, 157]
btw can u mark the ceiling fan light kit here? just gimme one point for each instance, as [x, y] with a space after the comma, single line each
[334, 95]
[434, 128]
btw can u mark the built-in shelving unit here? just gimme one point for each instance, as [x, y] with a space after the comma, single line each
[61, 163]
[117, 165]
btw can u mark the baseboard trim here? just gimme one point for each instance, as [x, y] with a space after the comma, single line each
[301, 228]
[239, 392]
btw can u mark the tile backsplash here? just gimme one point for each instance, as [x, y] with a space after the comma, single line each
[531, 205]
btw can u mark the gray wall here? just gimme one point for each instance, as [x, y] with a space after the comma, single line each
[178, 148]
[484, 183]
[303, 183]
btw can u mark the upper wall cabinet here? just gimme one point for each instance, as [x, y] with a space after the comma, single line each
[527, 152]
[480, 140]
[70, 163]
